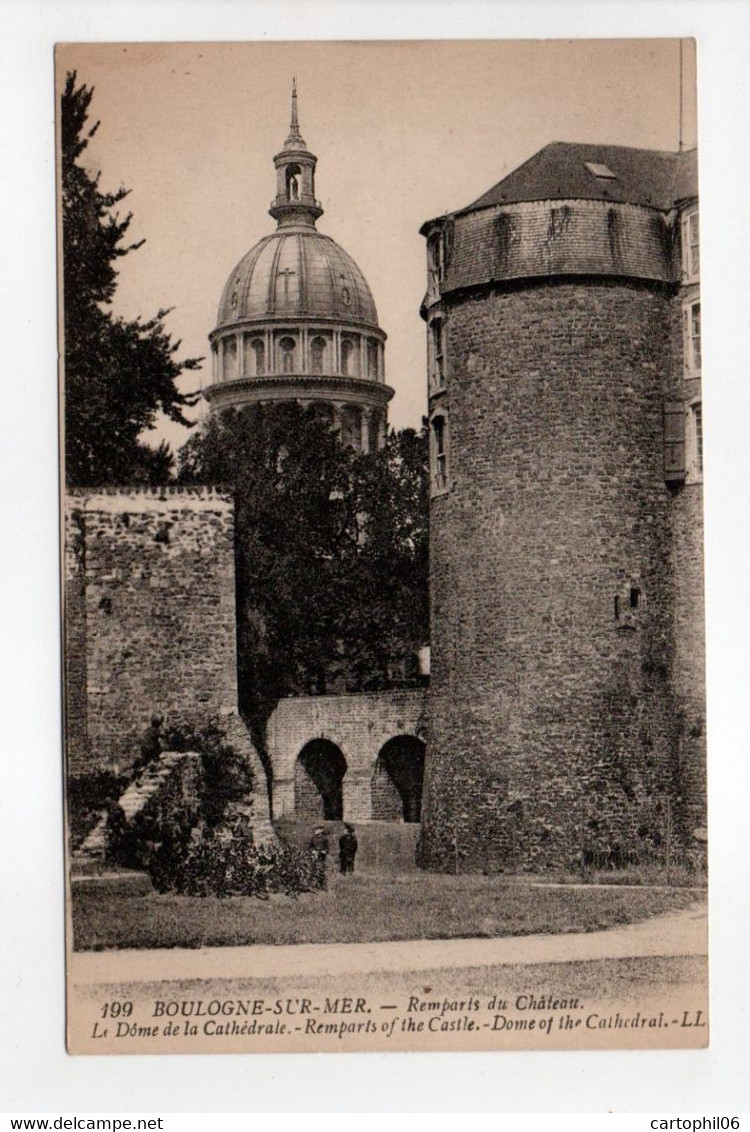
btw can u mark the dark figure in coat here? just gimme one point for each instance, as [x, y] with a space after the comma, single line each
[347, 849]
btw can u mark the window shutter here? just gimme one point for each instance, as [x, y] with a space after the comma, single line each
[674, 442]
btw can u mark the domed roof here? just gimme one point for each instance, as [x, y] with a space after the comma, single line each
[297, 273]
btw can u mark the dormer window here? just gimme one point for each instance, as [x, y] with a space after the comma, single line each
[600, 170]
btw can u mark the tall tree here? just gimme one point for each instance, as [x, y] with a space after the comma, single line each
[119, 374]
[331, 551]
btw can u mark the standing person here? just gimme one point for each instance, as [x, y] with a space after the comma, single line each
[320, 847]
[347, 849]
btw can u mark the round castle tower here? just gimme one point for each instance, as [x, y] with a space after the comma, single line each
[297, 320]
[566, 704]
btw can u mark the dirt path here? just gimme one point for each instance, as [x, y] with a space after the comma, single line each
[674, 934]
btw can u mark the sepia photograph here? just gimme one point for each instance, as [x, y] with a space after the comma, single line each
[382, 546]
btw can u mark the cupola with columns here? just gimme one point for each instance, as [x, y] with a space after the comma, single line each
[297, 321]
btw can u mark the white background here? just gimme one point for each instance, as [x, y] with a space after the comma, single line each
[35, 1073]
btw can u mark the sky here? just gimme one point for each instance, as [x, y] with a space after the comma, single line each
[403, 131]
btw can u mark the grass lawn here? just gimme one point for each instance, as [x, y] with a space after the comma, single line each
[363, 909]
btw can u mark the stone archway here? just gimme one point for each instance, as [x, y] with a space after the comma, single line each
[397, 780]
[318, 781]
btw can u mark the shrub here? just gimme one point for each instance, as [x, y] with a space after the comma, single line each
[193, 838]
[88, 796]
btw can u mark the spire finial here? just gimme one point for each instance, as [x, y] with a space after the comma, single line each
[294, 134]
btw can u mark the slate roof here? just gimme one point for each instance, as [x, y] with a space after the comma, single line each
[654, 178]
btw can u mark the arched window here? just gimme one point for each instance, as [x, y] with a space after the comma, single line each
[288, 347]
[372, 359]
[348, 356]
[351, 427]
[374, 431]
[256, 355]
[293, 175]
[323, 410]
[317, 354]
[439, 454]
[229, 350]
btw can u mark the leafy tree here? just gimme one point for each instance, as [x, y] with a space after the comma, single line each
[331, 551]
[118, 374]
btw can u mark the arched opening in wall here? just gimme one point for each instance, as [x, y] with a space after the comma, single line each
[293, 175]
[397, 780]
[374, 431]
[323, 411]
[255, 355]
[372, 359]
[351, 427]
[229, 357]
[318, 354]
[319, 781]
[287, 349]
[349, 352]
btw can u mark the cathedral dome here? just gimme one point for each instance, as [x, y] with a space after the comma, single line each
[297, 273]
[297, 321]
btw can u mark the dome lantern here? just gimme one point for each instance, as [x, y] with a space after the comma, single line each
[295, 201]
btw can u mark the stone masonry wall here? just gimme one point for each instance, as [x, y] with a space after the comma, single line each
[359, 725]
[552, 731]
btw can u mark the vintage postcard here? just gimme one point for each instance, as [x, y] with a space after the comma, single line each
[382, 546]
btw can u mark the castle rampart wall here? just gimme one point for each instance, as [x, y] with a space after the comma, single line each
[150, 616]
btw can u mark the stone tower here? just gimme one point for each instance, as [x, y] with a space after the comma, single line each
[297, 320]
[566, 707]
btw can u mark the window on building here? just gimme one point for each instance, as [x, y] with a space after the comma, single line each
[439, 453]
[288, 349]
[435, 261]
[372, 359]
[229, 348]
[600, 170]
[437, 350]
[695, 442]
[257, 355]
[351, 427]
[698, 426]
[318, 347]
[348, 356]
[293, 175]
[691, 313]
[691, 247]
[374, 426]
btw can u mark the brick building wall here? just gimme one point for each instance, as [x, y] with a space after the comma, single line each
[150, 622]
[551, 722]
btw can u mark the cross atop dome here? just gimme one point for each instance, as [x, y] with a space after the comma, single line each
[295, 204]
